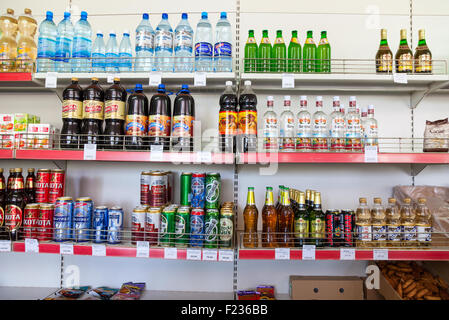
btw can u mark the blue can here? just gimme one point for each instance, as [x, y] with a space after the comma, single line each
[196, 227]
[100, 224]
[63, 219]
[115, 225]
[198, 190]
[82, 219]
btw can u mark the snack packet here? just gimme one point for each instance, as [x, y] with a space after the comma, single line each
[101, 293]
[130, 291]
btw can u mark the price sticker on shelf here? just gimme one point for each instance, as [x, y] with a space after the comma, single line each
[156, 153]
[226, 255]
[111, 77]
[155, 79]
[347, 254]
[400, 78]
[282, 254]
[90, 151]
[199, 79]
[31, 245]
[51, 80]
[66, 248]
[308, 252]
[143, 249]
[99, 250]
[209, 255]
[371, 154]
[380, 254]
[288, 81]
[171, 253]
[194, 254]
[204, 157]
[5, 245]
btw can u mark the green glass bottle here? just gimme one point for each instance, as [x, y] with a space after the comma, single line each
[323, 54]
[301, 221]
[264, 53]
[309, 53]
[251, 53]
[317, 223]
[279, 54]
[294, 54]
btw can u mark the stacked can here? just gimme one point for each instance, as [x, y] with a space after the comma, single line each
[56, 186]
[63, 219]
[30, 217]
[43, 185]
[198, 190]
[169, 175]
[349, 224]
[186, 189]
[115, 224]
[213, 187]
[211, 228]
[100, 224]
[226, 229]
[145, 187]
[152, 224]
[334, 228]
[82, 219]
[138, 224]
[167, 227]
[196, 227]
[182, 226]
[45, 222]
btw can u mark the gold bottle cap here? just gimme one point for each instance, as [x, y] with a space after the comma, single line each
[422, 34]
[391, 200]
[30, 169]
[362, 200]
[94, 79]
[27, 11]
[10, 11]
[317, 198]
[302, 198]
[1, 170]
[117, 79]
[19, 170]
[377, 200]
[422, 200]
[403, 34]
[407, 200]
[383, 33]
[74, 79]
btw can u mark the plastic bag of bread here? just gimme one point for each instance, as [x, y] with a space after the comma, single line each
[436, 136]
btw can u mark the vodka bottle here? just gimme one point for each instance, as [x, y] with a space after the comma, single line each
[320, 131]
[270, 127]
[337, 127]
[287, 131]
[353, 127]
[363, 117]
[371, 132]
[304, 127]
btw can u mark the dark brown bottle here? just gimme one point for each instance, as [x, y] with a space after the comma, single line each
[72, 115]
[286, 220]
[159, 119]
[10, 177]
[247, 131]
[3, 234]
[228, 119]
[15, 204]
[269, 221]
[114, 115]
[30, 184]
[183, 117]
[136, 125]
[93, 113]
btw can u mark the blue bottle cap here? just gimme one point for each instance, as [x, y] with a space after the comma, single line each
[145, 16]
[184, 16]
[164, 16]
[161, 88]
[49, 15]
[223, 15]
[203, 15]
[184, 87]
[83, 15]
[66, 15]
[138, 87]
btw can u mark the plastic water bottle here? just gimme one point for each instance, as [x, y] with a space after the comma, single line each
[112, 53]
[163, 44]
[203, 45]
[183, 46]
[223, 45]
[98, 53]
[82, 45]
[125, 53]
[64, 44]
[144, 45]
[46, 48]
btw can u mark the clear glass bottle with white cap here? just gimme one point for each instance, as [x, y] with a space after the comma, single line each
[247, 140]
[337, 127]
[303, 127]
[371, 129]
[320, 130]
[287, 127]
[363, 118]
[270, 127]
[353, 127]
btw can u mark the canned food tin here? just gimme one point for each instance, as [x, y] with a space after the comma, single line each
[198, 190]
[186, 189]
[82, 219]
[226, 226]
[42, 185]
[196, 227]
[213, 188]
[63, 219]
[158, 189]
[211, 226]
[115, 225]
[167, 231]
[138, 224]
[45, 222]
[152, 224]
[30, 217]
[100, 224]
[145, 187]
[182, 226]
[57, 184]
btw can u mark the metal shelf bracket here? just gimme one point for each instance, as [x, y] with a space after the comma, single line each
[417, 96]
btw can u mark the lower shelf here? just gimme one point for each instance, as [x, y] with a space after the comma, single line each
[25, 293]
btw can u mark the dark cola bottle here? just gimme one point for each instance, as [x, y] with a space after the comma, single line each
[183, 117]
[30, 186]
[72, 115]
[15, 205]
[159, 119]
[114, 115]
[247, 131]
[136, 120]
[227, 119]
[93, 113]
[4, 235]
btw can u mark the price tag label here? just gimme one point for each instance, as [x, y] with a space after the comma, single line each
[155, 79]
[31, 245]
[66, 248]
[51, 80]
[199, 79]
[204, 157]
[347, 254]
[400, 78]
[5, 245]
[156, 153]
[143, 249]
[380, 254]
[111, 77]
[90, 151]
[171, 253]
[99, 250]
[308, 252]
[288, 81]
[194, 254]
[370, 153]
[210, 255]
[282, 254]
[226, 255]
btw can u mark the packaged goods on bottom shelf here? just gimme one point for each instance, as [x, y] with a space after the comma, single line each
[128, 291]
[326, 288]
[261, 293]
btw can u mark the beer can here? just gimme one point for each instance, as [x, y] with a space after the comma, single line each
[198, 190]
[196, 227]
[45, 222]
[211, 228]
[42, 185]
[63, 219]
[138, 224]
[30, 217]
[186, 189]
[170, 198]
[213, 188]
[100, 224]
[167, 231]
[226, 228]
[152, 224]
[182, 226]
[82, 219]
[349, 227]
[57, 185]
[115, 225]
[158, 189]
[145, 187]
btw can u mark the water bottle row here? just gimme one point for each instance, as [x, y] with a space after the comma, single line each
[68, 48]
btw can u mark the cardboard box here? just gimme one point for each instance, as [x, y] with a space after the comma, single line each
[21, 122]
[7, 131]
[44, 137]
[326, 288]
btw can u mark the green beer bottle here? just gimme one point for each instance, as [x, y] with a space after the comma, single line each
[251, 53]
[294, 54]
[317, 223]
[279, 54]
[323, 55]
[301, 222]
[264, 53]
[309, 53]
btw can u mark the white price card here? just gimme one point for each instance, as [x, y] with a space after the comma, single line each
[194, 254]
[111, 77]
[371, 154]
[5, 245]
[204, 157]
[380, 254]
[210, 255]
[99, 250]
[288, 81]
[51, 80]
[170, 253]
[308, 252]
[199, 79]
[90, 151]
[156, 153]
[282, 254]
[400, 78]
[226, 255]
[31, 245]
[347, 254]
[155, 79]
[143, 249]
[66, 248]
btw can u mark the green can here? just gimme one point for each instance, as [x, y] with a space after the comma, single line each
[186, 189]
[167, 227]
[211, 228]
[213, 187]
[182, 226]
[226, 226]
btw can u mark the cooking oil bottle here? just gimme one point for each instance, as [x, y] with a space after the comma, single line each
[378, 222]
[363, 224]
[8, 44]
[423, 223]
[393, 220]
[408, 224]
[26, 46]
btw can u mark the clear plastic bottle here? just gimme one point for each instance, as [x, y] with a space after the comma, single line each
[112, 53]
[99, 53]
[203, 45]
[379, 223]
[183, 45]
[223, 45]
[363, 225]
[163, 45]
[46, 48]
[125, 53]
[8, 44]
[287, 126]
[144, 45]
[320, 130]
[64, 44]
[393, 220]
[408, 224]
[304, 127]
[423, 223]
[371, 130]
[337, 127]
[353, 127]
[82, 45]
[270, 127]
[26, 46]
[363, 117]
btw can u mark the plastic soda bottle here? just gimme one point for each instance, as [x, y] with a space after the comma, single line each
[223, 45]
[26, 47]
[82, 45]
[64, 44]
[203, 45]
[46, 48]
[163, 43]
[183, 45]
[98, 53]
[294, 54]
[144, 45]
[125, 53]
[251, 52]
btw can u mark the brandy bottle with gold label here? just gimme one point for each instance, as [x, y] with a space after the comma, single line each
[404, 56]
[384, 57]
[423, 56]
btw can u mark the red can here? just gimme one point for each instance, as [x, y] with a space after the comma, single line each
[138, 224]
[30, 217]
[145, 187]
[43, 185]
[45, 222]
[169, 186]
[158, 189]
[57, 184]
[152, 224]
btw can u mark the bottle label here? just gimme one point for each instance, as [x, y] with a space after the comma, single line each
[405, 62]
[63, 49]
[394, 233]
[226, 229]
[251, 40]
[2, 217]
[17, 184]
[203, 49]
[97, 62]
[46, 48]
[183, 41]
[144, 41]
[323, 41]
[364, 233]
[424, 63]
[93, 109]
[159, 125]
[227, 124]
[24, 53]
[114, 109]
[163, 40]
[182, 126]
[136, 125]
[82, 47]
[270, 127]
[424, 233]
[318, 228]
[379, 233]
[385, 63]
[72, 109]
[13, 217]
[223, 49]
[278, 40]
[248, 122]
[301, 228]
[409, 233]
[309, 41]
[294, 40]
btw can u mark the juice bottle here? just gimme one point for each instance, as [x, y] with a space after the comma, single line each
[26, 46]
[8, 44]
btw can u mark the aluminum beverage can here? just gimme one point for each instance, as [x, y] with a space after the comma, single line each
[145, 187]
[115, 225]
[211, 226]
[333, 227]
[158, 189]
[42, 185]
[152, 224]
[138, 224]
[100, 224]
[198, 190]
[226, 226]
[349, 227]
[213, 188]
[196, 227]
[167, 228]
[186, 189]
[57, 185]
[182, 226]
[45, 222]
[170, 186]
[63, 219]
[82, 219]
[30, 217]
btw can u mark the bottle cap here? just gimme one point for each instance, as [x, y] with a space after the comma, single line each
[116, 79]
[126, 31]
[391, 200]
[10, 11]
[228, 83]
[270, 98]
[303, 98]
[164, 16]
[364, 110]
[184, 86]
[74, 79]
[161, 88]
[422, 200]
[203, 15]
[407, 200]
[111, 32]
[287, 98]
[99, 32]
[370, 107]
[377, 200]
[352, 98]
[184, 16]
[336, 98]
[247, 82]
[145, 16]
[49, 15]
[83, 15]
[362, 200]
[94, 79]
[138, 87]
[223, 15]
[319, 98]
[66, 15]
